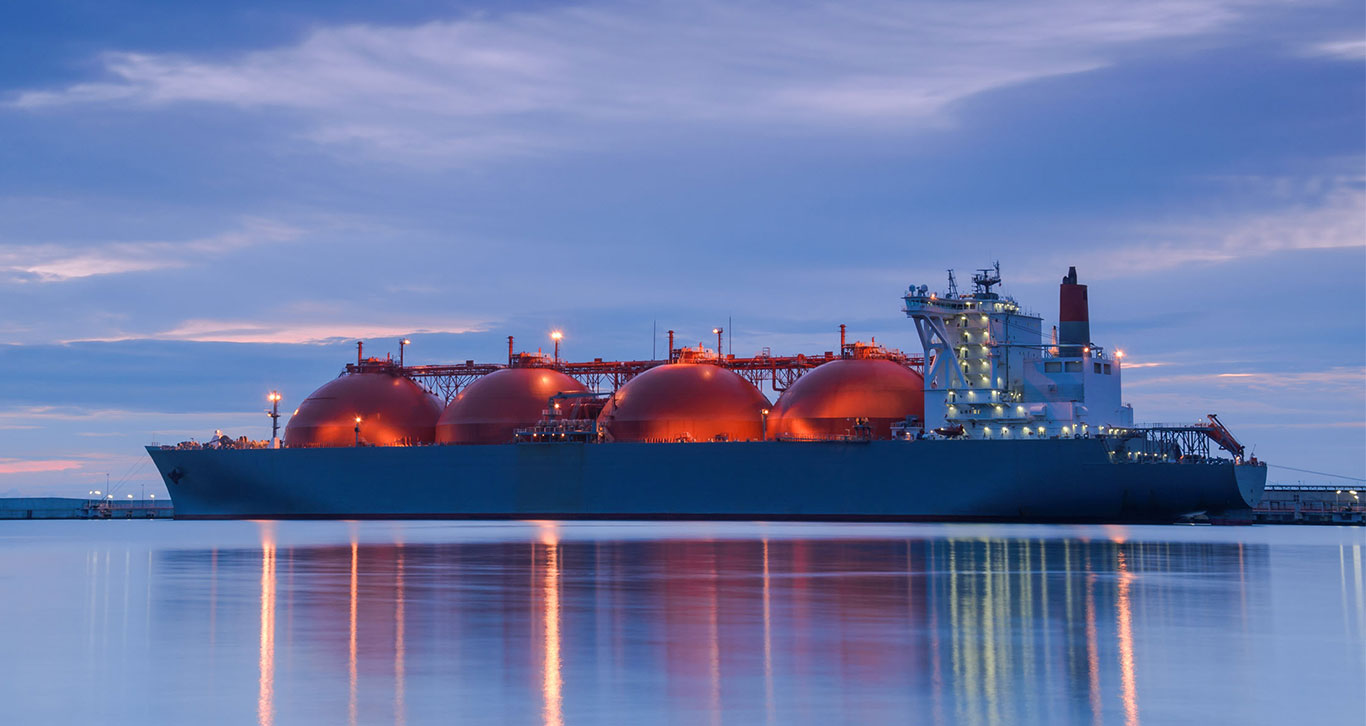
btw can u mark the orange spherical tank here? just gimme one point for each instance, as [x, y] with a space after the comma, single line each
[490, 410]
[685, 401]
[392, 409]
[827, 401]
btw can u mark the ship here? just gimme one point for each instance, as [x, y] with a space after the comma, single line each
[992, 422]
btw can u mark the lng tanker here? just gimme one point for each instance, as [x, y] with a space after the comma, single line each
[992, 422]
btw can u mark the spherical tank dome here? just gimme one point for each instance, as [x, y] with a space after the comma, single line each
[827, 401]
[685, 401]
[392, 409]
[490, 410]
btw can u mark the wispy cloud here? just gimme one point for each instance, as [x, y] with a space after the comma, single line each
[56, 262]
[1351, 49]
[33, 466]
[1339, 378]
[201, 330]
[512, 82]
[1324, 212]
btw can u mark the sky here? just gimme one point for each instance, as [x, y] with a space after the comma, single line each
[200, 202]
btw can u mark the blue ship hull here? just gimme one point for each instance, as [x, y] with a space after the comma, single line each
[1072, 480]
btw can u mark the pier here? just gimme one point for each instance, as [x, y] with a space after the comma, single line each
[71, 508]
[1300, 504]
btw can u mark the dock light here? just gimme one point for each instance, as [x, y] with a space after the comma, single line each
[719, 350]
[401, 345]
[556, 335]
[152, 496]
[358, 431]
[130, 496]
[1119, 354]
[274, 414]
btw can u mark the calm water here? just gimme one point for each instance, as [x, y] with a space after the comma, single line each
[568, 623]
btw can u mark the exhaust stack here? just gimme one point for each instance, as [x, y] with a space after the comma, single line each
[1074, 318]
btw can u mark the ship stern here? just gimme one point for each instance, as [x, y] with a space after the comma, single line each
[1251, 480]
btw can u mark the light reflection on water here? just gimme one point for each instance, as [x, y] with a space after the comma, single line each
[564, 623]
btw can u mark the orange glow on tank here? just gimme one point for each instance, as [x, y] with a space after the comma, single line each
[826, 402]
[392, 411]
[490, 410]
[685, 401]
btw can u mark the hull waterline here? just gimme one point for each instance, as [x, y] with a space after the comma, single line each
[1064, 480]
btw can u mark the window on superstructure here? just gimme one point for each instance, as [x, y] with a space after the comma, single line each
[1072, 366]
[1107, 369]
[1052, 367]
[1096, 367]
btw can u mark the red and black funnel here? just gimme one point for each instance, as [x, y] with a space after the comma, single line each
[1074, 319]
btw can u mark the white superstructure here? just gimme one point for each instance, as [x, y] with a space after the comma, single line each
[989, 370]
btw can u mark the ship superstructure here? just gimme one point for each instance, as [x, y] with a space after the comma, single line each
[989, 373]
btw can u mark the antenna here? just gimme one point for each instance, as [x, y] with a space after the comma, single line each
[985, 279]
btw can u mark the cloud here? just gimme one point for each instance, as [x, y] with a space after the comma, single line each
[33, 466]
[1322, 212]
[1353, 49]
[1338, 378]
[515, 83]
[201, 330]
[55, 262]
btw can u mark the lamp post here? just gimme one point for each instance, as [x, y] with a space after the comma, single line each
[556, 336]
[764, 423]
[274, 413]
[401, 344]
[720, 352]
[358, 431]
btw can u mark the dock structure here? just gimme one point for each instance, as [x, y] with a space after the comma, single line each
[72, 508]
[1301, 504]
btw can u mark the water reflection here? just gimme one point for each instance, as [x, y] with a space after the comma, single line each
[1125, 625]
[400, 644]
[351, 657]
[1028, 628]
[553, 710]
[758, 626]
[265, 700]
